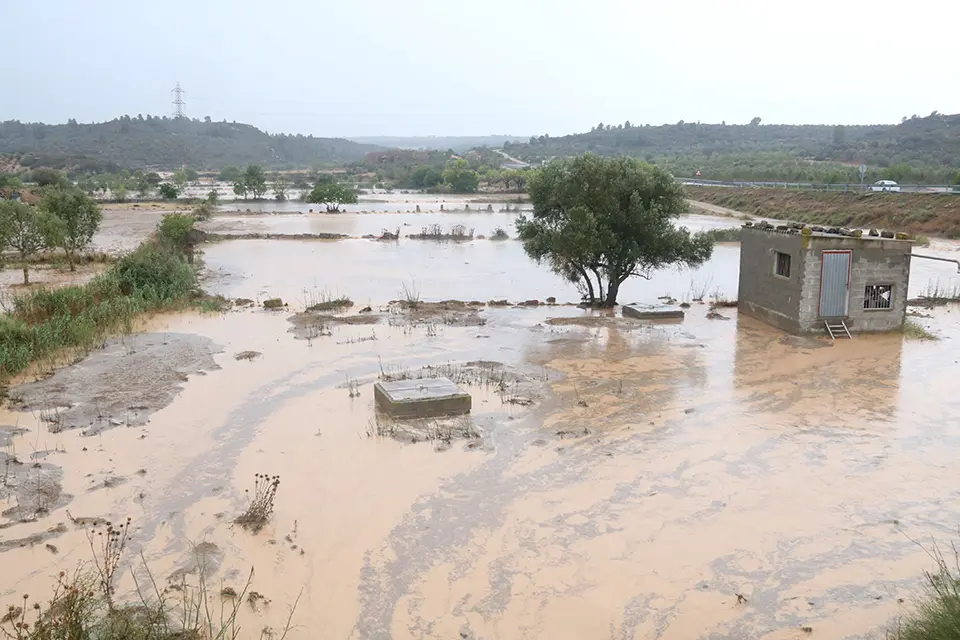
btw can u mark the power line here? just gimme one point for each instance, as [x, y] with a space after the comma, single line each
[178, 102]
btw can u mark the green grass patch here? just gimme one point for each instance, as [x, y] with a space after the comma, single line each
[913, 330]
[46, 321]
[937, 614]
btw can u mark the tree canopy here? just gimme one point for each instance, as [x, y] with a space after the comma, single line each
[460, 177]
[332, 196]
[255, 180]
[599, 221]
[807, 153]
[169, 191]
[74, 219]
[152, 141]
[25, 229]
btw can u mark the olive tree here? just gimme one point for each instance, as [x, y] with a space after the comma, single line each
[332, 196]
[74, 219]
[599, 221]
[25, 229]
[255, 180]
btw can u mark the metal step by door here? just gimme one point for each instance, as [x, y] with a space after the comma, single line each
[837, 328]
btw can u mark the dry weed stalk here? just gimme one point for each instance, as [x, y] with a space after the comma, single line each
[260, 510]
[107, 547]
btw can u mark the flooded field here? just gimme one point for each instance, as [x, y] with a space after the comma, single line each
[713, 478]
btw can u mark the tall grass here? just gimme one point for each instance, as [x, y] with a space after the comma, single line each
[937, 615]
[45, 321]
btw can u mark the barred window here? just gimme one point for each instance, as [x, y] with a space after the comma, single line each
[878, 296]
[783, 265]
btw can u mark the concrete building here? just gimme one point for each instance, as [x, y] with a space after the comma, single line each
[809, 280]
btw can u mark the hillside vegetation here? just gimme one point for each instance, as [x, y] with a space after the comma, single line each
[453, 143]
[916, 150]
[166, 143]
[919, 213]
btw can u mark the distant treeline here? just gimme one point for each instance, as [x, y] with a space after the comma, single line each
[166, 143]
[922, 150]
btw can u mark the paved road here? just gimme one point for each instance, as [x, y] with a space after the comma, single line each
[511, 158]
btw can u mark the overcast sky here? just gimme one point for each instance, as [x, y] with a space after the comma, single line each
[441, 67]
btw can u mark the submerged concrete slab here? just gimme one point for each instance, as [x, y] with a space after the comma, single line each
[427, 398]
[652, 312]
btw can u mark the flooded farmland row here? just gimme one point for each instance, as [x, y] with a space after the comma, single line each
[709, 478]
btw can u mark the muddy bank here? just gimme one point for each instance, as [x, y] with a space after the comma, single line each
[29, 490]
[309, 325]
[122, 384]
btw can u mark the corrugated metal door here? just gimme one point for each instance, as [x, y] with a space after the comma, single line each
[834, 284]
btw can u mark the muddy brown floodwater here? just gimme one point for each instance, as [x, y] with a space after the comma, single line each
[616, 479]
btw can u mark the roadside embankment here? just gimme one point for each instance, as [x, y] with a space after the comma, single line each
[931, 214]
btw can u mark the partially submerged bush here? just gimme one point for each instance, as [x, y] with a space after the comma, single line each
[500, 234]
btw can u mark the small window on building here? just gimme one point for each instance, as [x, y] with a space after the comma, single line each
[878, 296]
[783, 265]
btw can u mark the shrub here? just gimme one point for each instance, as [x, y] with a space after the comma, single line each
[154, 275]
[45, 321]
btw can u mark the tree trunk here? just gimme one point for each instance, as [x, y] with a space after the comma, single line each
[612, 291]
[70, 260]
[600, 295]
[586, 279]
[26, 273]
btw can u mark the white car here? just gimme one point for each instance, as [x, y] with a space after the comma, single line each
[885, 185]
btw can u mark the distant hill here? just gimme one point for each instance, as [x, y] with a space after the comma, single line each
[442, 143]
[164, 143]
[932, 143]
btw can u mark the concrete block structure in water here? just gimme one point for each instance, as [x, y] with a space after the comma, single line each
[799, 278]
[425, 398]
[652, 312]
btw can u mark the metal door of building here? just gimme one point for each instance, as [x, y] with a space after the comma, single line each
[834, 284]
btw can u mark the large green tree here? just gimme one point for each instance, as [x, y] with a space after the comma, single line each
[332, 196]
[25, 230]
[179, 179]
[230, 173]
[598, 221]
[425, 177]
[240, 188]
[256, 180]
[460, 177]
[74, 219]
[44, 176]
[169, 191]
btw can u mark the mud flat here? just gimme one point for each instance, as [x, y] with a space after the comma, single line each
[119, 385]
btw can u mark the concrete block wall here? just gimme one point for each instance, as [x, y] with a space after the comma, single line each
[872, 267]
[793, 303]
[763, 294]
[872, 262]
